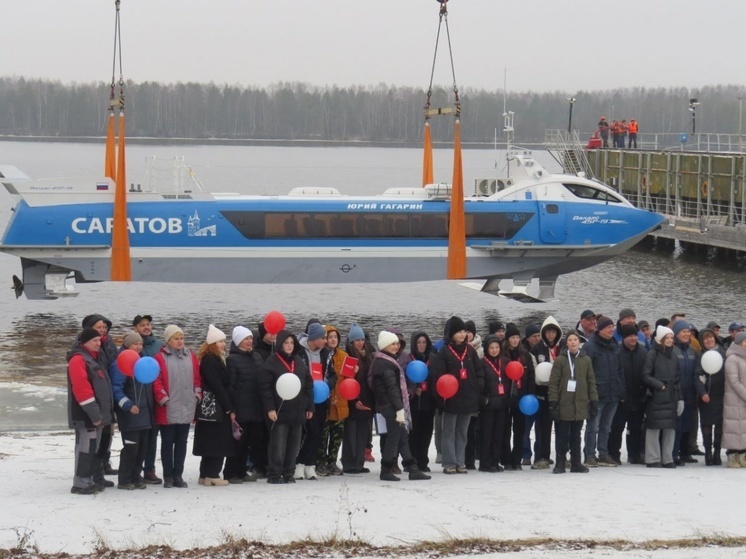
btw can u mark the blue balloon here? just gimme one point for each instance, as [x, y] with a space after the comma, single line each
[146, 370]
[417, 371]
[529, 404]
[320, 391]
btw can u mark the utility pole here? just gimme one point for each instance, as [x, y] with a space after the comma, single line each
[693, 103]
[571, 100]
[740, 124]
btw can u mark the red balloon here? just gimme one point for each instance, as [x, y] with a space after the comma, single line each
[126, 361]
[447, 386]
[349, 389]
[514, 370]
[274, 322]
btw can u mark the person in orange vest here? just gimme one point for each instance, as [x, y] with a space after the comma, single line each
[615, 134]
[603, 128]
[622, 133]
[633, 128]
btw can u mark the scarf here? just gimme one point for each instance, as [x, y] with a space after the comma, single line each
[402, 388]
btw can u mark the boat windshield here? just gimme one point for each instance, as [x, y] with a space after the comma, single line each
[591, 193]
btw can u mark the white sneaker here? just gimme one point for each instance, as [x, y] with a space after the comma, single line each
[309, 472]
[299, 471]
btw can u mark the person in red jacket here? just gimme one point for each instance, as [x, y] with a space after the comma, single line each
[90, 405]
[176, 392]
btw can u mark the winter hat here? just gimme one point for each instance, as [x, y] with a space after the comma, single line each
[740, 337]
[455, 324]
[240, 333]
[170, 331]
[92, 319]
[735, 326]
[356, 333]
[712, 324]
[214, 335]
[385, 339]
[587, 314]
[471, 327]
[316, 332]
[489, 338]
[626, 313]
[511, 330]
[628, 330]
[680, 325]
[661, 333]
[140, 317]
[532, 329]
[88, 334]
[642, 324]
[604, 322]
[131, 338]
[402, 341]
[495, 326]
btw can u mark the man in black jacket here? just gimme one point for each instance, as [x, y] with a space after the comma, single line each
[630, 413]
[603, 350]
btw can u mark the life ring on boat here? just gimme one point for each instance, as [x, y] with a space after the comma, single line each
[705, 189]
[644, 183]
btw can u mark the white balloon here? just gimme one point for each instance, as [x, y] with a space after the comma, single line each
[712, 361]
[543, 372]
[288, 386]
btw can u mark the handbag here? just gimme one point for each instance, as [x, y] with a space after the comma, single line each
[209, 408]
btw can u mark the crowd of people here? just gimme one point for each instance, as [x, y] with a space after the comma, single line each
[258, 413]
[619, 130]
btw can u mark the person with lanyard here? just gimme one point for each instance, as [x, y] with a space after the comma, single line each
[573, 398]
[494, 411]
[422, 403]
[285, 417]
[514, 350]
[460, 360]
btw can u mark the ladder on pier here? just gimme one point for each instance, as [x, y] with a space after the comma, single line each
[568, 152]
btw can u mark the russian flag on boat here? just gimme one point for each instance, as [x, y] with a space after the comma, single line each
[102, 186]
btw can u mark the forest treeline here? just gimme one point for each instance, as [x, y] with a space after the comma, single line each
[383, 113]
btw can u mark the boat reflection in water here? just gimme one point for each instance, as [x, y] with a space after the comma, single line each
[537, 227]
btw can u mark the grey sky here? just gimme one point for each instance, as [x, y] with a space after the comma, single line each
[545, 45]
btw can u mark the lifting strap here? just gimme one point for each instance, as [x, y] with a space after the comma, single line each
[120, 244]
[456, 268]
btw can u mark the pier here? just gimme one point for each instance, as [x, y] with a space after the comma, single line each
[702, 194]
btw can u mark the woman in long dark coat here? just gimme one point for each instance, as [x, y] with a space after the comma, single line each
[213, 434]
[661, 376]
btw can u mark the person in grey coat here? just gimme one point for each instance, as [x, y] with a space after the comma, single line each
[734, 403]
[661, 376]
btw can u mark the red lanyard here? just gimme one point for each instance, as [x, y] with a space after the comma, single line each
[497, 371]
[456, 355]
[290, 368]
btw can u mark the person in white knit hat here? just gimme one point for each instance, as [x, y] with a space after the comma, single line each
[176, 392]
[661, 376]
[213, 432]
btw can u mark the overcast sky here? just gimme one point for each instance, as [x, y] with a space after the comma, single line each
[545, 45]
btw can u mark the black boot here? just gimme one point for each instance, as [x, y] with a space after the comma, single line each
[716, 460]
[708, 455]
[386, 474]
[578, 468]
[414, 471]
[559, 466]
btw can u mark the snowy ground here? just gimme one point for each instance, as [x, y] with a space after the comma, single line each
[630, 503]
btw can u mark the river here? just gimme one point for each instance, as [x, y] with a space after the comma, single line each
[35, 335]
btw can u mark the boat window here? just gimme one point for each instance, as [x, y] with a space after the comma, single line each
[326, 225]
[590, 193]
[552, 208]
